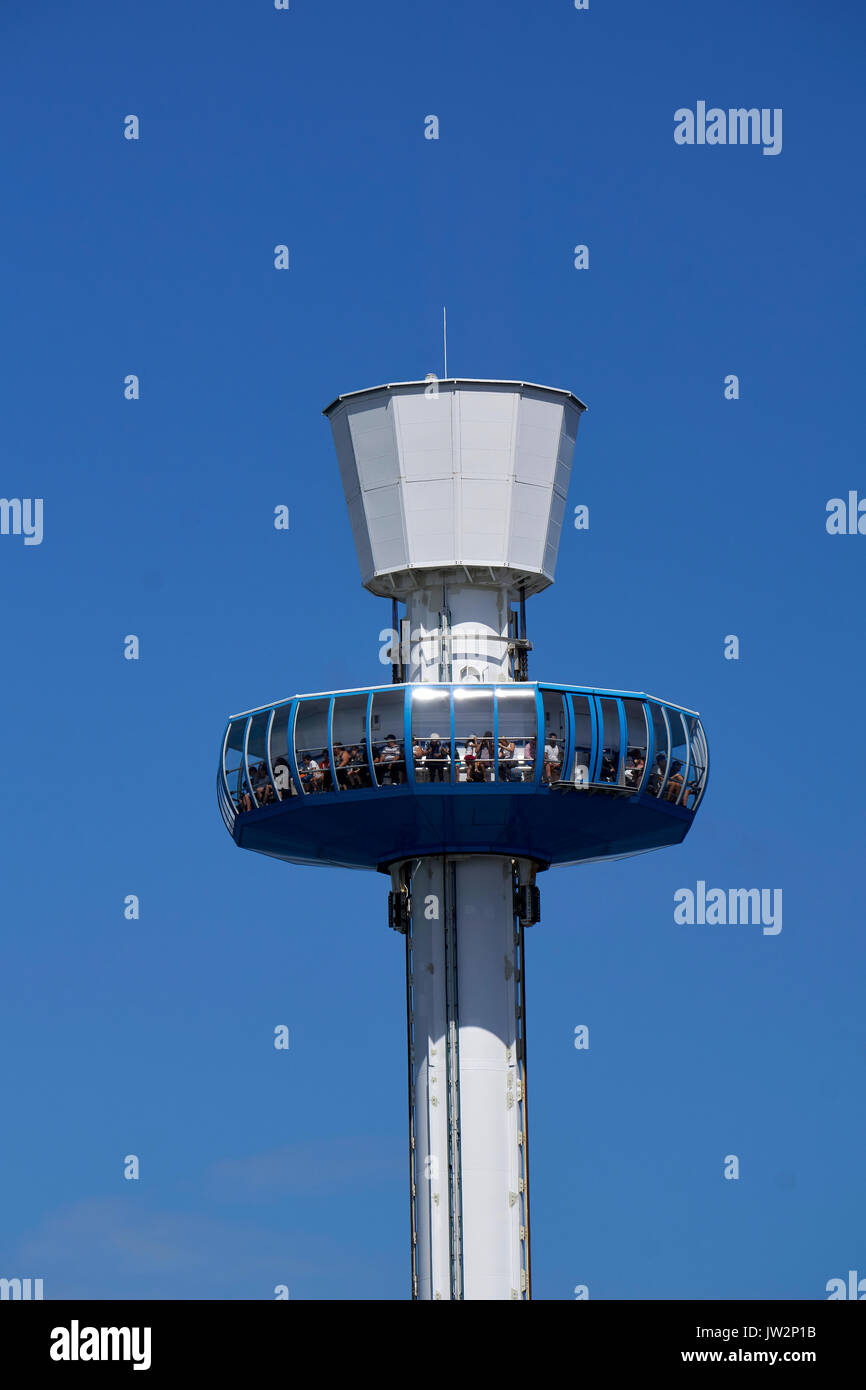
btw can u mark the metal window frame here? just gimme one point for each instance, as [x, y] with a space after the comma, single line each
[599, 751]
[656, 704]
[623, 743]
[593, 732]
[528, 689]
[567, 752]
[381, 690]
[643, 705]
[566, 718]
[374, 785]
[228, 810]
[346, 695]
[685, 785]
[453, 778]
[286, 705]
[225, 780]
[651, 744]
[490, 688]
[408, 740]
[707, 768]
[290, 747]
[702, 747]
[442, 686]
[308, 700]
[664, 784]
[540, 738]
[250, 722]
[242, 765]
[246, 761]
[331, 765]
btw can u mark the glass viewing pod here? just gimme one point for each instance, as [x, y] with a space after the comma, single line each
[560, 774]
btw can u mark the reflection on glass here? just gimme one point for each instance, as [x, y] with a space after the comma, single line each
[283, 781]
[697, 774]
[554, 735]
[582, 721]
[474, 749]
[611, 768]
[657, 773]
[311, 745]
[431, 734]
[673, 790]
[234, 765]
[257, 759]
[636, 743]
[350, 742]
[386, 737]
[517, 733]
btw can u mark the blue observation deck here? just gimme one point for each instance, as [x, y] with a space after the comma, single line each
[557, 774]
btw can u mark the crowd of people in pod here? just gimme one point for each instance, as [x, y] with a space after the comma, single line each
[479, 758]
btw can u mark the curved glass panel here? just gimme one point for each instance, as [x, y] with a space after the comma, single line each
[659, 770]
[224, 801]
[611, 768]
[283, 780]
[349, 733]
[679, 757]
[517, 733]
[697, 763]
[257, 759]
[637, 743]
[474, 749]
[236, 777]
[581, 721]
[386, 738]
[311, 745]
[431, 734]
[554, 735]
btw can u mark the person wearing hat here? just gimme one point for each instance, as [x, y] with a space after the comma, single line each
[436, 758]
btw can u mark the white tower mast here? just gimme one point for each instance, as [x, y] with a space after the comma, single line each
[456, 493]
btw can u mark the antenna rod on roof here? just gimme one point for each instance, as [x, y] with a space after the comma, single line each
[445, 341]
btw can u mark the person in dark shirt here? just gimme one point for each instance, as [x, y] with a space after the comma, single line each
[341, 764]
[435, 757]
[634, 770]
[353, 767]
[657, 775]
[507, 752]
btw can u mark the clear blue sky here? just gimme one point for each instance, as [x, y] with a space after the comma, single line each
[707, 518]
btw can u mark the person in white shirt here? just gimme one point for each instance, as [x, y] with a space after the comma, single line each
[311, 774]
[552, 759]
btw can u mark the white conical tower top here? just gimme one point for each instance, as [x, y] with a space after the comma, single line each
[458, 478]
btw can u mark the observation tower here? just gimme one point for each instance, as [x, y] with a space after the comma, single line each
[461, 780]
